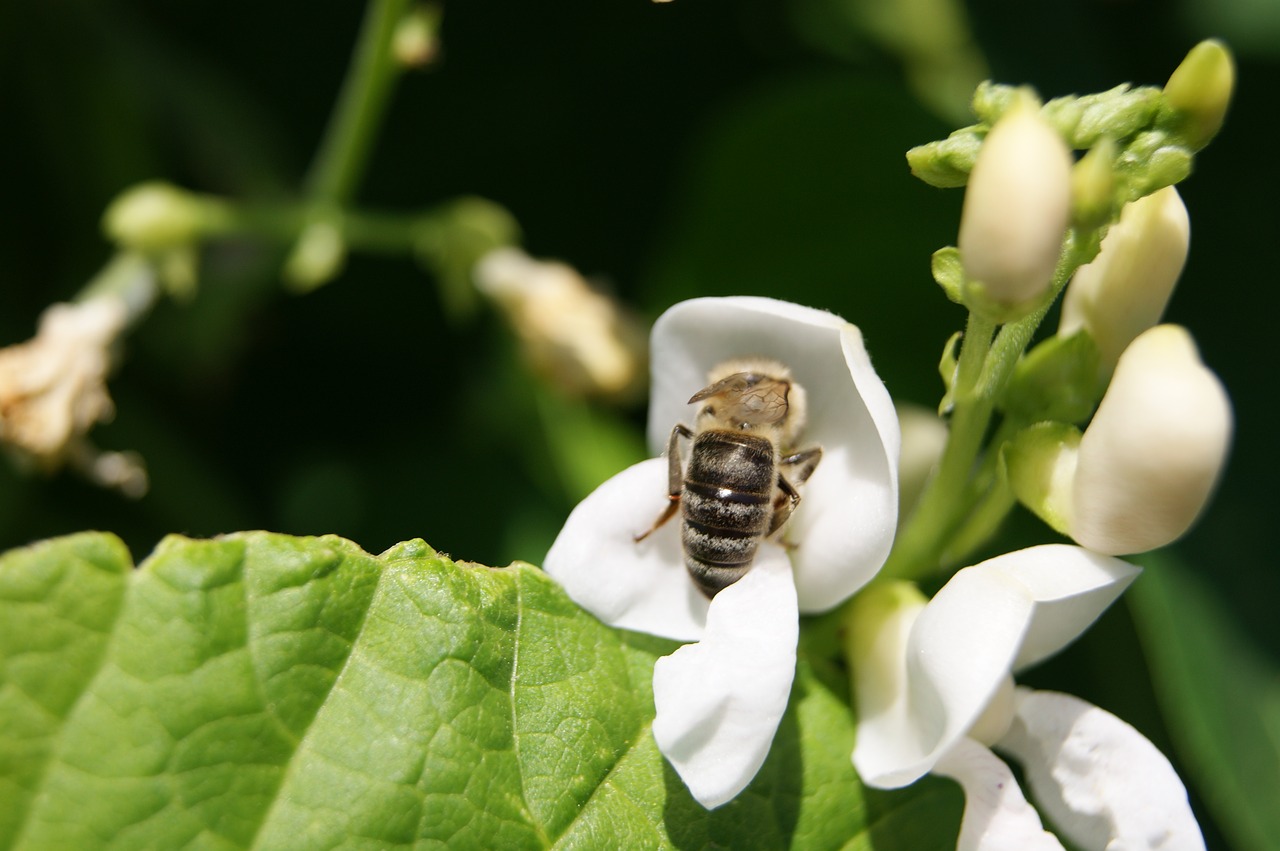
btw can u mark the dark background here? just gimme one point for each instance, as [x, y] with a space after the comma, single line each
[694, 148]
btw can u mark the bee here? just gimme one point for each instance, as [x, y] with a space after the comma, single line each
[740, 485]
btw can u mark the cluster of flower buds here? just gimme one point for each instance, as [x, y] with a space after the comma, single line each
[934, 678]
[1113, 226]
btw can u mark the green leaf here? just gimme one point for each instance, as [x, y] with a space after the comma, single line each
[1220, 698]
[265, 691]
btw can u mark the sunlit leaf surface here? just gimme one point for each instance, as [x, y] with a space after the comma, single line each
[265, 691]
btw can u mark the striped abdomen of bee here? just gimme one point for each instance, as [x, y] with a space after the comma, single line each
[726, 505]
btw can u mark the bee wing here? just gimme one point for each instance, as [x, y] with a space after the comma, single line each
[765, 404]
[735, 384]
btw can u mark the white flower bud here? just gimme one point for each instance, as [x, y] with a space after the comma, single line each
[1150, 458]
[1016, 209]
[572, 334]
[1125, 289]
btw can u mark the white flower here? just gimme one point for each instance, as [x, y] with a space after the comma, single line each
[934, 693]
[719, 701]
[1016, 208]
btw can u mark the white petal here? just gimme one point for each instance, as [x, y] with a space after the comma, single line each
[996, 815]
[1100, 780]
[719, 701]
[988, 621]
[642, 586]
[845, 524]
[1124, 291]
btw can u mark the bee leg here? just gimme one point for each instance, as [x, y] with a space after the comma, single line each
[784, 505]
[806, 461]
[675, 480]
[667, 514]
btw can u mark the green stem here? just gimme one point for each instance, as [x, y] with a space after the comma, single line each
[358, 114]
[918, 549]
[962, 507]
[129, 277]
[388, 233]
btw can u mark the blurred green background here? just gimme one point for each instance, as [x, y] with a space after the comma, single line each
[701, 147]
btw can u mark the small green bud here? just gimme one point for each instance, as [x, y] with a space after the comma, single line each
[1199, 92]
[1168, 165]
[946, 163]
[154, 216]
[1151, 161]
[992, 100]
[1057, 380]
[1093, 184]
[1041, 464]
[1120, 112]
[317, 257]
[948, 271]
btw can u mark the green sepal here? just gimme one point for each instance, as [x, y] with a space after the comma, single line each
[948, 271]
[1040, 462]
[999, 312]
[1057, 380]
[947, 368]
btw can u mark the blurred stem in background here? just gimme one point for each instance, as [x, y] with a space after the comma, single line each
[568, 330]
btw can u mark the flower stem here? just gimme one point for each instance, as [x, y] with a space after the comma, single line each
[918, 549]
[344, 151]
[964, 503]
[129, 277]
